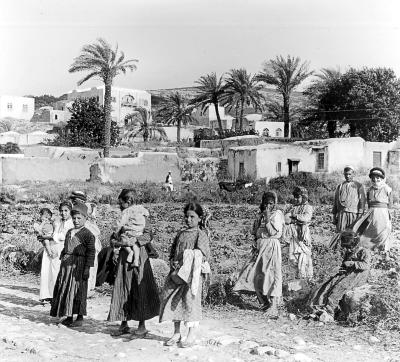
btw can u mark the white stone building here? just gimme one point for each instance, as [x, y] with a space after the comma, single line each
[123, 100]
[17, 107]
[275, 159]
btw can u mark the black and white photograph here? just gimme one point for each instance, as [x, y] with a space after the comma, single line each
[200, 180]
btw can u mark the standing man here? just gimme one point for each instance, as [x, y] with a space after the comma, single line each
[168, 182]
[349, 201]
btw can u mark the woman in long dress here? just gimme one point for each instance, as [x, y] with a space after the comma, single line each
[135, 294]
[375, 226]
[51, 265]
[262, 274]
[297, 233]
[182, 292]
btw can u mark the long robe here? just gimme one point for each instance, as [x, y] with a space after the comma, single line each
[51, 266]
[263, 272]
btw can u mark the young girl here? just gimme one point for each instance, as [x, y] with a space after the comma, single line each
[51, 266]
[130, 225]
[181, 296]
[70, 291]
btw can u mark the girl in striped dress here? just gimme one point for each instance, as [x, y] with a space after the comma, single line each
[70, 291]
[181, 296]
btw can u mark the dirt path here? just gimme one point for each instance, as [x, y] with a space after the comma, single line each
[27, 332]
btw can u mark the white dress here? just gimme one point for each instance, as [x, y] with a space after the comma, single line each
[51, 267]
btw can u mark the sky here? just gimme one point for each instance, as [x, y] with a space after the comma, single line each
[178, 41]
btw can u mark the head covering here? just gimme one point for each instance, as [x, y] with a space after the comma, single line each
[300, 191]
[65, 203]
[377, 171]
[269, 195]
[80, 208]
[78, 195]
[348, 168]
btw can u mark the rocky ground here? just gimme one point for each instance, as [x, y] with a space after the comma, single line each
[27, 332]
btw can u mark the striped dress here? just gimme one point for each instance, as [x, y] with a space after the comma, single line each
[70, 291]
[135, 298]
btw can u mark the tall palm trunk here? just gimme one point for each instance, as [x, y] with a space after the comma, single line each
[241, 115]
[107, 116]
[221, 131]
[178, 131]
[286, 119]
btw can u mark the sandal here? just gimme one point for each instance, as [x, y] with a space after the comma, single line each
[121, 331]
[67, 322]
[140, 332]
[173, 341]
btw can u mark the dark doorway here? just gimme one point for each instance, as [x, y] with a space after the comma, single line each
[293, 166]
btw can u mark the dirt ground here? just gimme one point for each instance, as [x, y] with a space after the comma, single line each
[27, 332]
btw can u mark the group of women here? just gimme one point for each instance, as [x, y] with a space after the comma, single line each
[135, 294]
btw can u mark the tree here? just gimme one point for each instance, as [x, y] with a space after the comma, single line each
[86, 126]
[242, 89]
[140, 122]
[210, 91]
[285, 75]
[366, 102]
[105, 63]
[174, 108]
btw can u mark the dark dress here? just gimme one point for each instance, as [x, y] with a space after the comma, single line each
[70, 290]
[330, 293]
[135, 298]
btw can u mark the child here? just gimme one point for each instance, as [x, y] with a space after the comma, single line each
[181, 296]
[130, 225]
[70, 291]
[44, 231]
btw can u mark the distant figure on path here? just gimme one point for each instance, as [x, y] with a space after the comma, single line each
[51, 264]
[182, 292]
[297, 233]
[77, 257]
[262, 274]
[375, 226]
[168, 182]
[352, 274]
[135, 294]
[349, 202]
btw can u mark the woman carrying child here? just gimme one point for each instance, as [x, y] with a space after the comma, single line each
[135, 294]
[77, 257]
[51, 258]
[181, 296]
[263, 273]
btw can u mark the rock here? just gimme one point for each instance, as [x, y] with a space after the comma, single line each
[248, 345]
[292, 317]
[325, 317]
[280, 353]
[262, 350]
[224, 340]
[300, 357]
[373, 339]
[120, 355]
[356, 300]
[357, 347]
[300, 341]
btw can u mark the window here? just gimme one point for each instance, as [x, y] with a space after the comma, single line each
[241, 170]
[145, 103]
[321, 161]
[278, 132]
[376, 159]
[24, 108]
[113, 99]
[265, 132]
[279, 167]
[9, 106]
[56, 117]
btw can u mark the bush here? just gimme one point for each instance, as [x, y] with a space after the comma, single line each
[10, 148]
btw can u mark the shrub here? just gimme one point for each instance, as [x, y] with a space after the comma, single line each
[10, 148]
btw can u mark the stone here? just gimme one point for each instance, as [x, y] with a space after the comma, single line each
[224, 340]
[280, 353]
[248, 345]
[325, 317]
[292, 317]
[356, 300]
[374, 339]
[120, 355]
[262, 350]
[357, 347]
[300, 357]
[300, 341]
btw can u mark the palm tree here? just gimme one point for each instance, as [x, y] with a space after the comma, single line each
[140, 122]
[174, 108]
[242, 89]
[210, 92]
[285, 75]
[105, 63]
